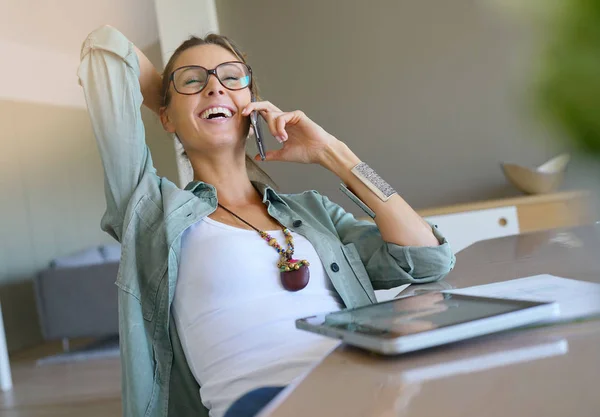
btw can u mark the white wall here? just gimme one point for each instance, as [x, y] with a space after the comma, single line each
[34, 74]
[51, 178]
[179, 19]
[40, 44]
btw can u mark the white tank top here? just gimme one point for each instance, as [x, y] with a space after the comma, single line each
[234, 318]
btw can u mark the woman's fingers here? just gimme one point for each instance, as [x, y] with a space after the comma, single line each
[280, 122]
[284, 119]
[275, 118]
[276, 122]
[276, 155]
[261, 106]
[271, 119]
[269, 112]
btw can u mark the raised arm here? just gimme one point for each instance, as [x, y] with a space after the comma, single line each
[150, 82]
[112, 82]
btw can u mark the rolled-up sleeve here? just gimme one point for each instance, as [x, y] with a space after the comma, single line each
[109, 74]
[388, 264]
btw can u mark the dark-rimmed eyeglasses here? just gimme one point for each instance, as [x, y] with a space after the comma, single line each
[191, 79]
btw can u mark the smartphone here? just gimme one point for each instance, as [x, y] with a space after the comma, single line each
[257, 132]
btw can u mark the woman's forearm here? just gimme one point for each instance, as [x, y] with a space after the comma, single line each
[396, 220]
[150, 82]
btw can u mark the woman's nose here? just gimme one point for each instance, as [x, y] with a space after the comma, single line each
[213, 86]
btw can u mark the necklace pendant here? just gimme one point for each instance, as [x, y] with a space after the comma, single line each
[296, 279]
[294, 273]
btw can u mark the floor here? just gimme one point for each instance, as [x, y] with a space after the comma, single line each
[90, 388]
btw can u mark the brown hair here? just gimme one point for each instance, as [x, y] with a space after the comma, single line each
[254, 171]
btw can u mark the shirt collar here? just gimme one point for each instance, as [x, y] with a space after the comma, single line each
[267, 192]
[199, 188]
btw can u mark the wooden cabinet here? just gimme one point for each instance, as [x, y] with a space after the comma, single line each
[467, 227]
[465, 224]
[536, 212]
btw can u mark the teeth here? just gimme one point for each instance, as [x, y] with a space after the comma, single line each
[215, 110]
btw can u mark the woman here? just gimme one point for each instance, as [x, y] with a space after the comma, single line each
[207, 298]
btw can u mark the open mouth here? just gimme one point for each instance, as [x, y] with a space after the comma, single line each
[216, 113]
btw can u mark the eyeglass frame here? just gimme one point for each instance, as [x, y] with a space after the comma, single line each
[253, 116]
[209, 73]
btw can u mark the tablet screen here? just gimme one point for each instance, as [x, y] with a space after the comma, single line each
[417, 314]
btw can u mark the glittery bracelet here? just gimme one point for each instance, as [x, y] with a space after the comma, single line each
[373, 181]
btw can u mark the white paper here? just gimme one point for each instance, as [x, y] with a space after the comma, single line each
[386, 295]
[576, 299]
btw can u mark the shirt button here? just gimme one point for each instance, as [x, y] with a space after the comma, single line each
[297, 223]
[335, 267]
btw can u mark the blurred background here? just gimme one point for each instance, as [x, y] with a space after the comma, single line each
[434, 95]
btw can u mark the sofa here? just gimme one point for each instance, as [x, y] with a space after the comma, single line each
[76, 295]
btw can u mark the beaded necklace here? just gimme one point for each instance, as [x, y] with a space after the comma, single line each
[294, 273]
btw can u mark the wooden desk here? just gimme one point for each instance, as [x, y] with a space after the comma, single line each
[548, 371]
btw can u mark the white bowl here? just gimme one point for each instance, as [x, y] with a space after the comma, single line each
[544, 179]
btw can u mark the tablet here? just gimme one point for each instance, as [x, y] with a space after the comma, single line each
[422, 321]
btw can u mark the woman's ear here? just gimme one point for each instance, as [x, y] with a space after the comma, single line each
[166, 120]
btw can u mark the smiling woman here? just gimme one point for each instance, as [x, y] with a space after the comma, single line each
[212, 277]
[191, 79]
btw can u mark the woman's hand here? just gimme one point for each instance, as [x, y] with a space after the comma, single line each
[303, 140]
